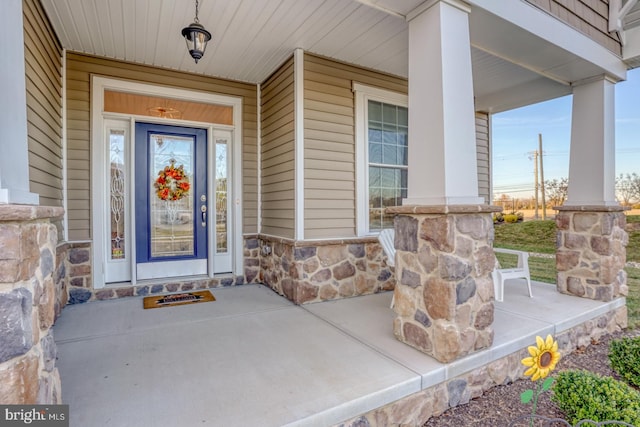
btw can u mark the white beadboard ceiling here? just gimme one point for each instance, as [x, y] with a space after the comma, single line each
[251, 38]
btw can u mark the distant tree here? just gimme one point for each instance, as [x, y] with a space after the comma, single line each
[627, 188]
[556, 191]
[634, 184]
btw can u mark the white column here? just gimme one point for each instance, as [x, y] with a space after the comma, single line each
[592, 154]
[14, 161]
[442, 142]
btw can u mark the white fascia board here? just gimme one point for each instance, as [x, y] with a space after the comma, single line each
[631, 50]
[551, 29]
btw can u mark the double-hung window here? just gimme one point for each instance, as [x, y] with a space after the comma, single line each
[382, 155]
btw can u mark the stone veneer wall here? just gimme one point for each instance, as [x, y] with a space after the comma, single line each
[307, 271]
[591, 252]
[32, 292]
[444, 296]
[416, 409]
[77, 264]
[312, 271]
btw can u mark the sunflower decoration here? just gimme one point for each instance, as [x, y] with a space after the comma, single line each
[544, 358]
[172, 183]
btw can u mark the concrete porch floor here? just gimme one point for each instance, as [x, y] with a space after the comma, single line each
[252, 358]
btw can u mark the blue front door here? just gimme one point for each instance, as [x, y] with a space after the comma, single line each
[171, 201]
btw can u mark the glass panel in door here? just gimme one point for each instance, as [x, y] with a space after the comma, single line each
[171, 201]
[222, 257]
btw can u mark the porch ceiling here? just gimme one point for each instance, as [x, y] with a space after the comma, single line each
[251, 38]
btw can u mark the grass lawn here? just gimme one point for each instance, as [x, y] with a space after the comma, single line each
[540, 237]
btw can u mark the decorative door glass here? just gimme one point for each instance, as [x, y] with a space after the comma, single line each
[222, 179]
[171, 195]
[117, 175]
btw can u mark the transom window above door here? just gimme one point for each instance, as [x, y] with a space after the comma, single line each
[168, 108]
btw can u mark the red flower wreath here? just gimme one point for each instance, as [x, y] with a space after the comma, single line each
[172, 183]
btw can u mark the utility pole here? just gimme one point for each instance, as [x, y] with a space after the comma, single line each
[535, 177]
[544, 202]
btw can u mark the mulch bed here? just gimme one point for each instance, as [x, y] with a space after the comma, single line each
[500, 405]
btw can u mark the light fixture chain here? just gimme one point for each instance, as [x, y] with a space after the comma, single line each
[196, 18]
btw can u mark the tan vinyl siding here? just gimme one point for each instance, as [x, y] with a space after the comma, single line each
[483, 156]
[278, 152]
[79, 70]
[330, 156]
[43, 68]
[590, 17]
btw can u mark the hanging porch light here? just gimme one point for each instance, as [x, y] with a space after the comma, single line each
[196, 37]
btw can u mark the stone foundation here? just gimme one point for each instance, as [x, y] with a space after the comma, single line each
[32, 292]
[79, 295]
[591, 252]
[76, 262]
[444, 296]
[313, 271]
[416, 409]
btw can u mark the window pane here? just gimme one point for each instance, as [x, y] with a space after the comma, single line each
[389, 137]
[375, 111]
[375, 135]
[374, 177]
[375, 201]
[375, 153]
[375, 219]
[403, 135]
[403, 116]
[389, 113]
[388, 178]
[389, 154]
[403, 158]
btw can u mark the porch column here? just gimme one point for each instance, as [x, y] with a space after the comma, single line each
[444, 292]
[592, 156]
[442, 135]
[591, 240]
[14, 161]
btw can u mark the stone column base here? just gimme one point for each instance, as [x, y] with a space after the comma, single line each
[444, 291]
[591, 251]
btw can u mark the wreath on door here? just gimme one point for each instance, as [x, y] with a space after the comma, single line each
[172, 183]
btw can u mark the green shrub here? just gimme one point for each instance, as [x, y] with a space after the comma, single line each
[624, 355]
[583, 395]
[511, 218]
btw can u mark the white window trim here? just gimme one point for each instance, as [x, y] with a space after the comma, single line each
[363, 94]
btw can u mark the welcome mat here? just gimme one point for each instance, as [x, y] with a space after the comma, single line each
[178, 299]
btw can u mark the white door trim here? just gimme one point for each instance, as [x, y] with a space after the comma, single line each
[98, 162]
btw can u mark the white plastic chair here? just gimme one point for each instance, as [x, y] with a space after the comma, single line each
[521, 271]
[387, 238]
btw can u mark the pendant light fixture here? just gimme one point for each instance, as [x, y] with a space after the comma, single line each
[196, 37]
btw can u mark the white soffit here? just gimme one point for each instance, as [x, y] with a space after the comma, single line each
[251, 38]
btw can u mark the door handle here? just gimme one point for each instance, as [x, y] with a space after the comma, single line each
[203, 209]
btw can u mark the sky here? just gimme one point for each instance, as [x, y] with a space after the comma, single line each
[515, 138]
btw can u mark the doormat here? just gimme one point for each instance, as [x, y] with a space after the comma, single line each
[178, 299]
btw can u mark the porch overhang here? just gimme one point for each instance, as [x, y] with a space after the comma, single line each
[520, 53]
